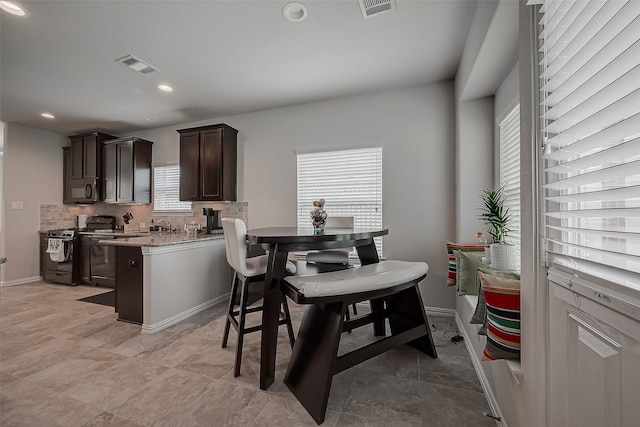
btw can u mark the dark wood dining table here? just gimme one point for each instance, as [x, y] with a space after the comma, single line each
[279, 241]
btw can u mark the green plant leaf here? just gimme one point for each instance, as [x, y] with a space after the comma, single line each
[494, 214]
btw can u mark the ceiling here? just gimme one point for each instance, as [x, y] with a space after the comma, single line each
[222, 57]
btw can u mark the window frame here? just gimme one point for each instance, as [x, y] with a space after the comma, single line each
[188, 206]
[508, 171]
[367, 214]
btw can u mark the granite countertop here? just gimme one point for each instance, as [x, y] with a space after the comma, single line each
[159, 239]
[117, 233]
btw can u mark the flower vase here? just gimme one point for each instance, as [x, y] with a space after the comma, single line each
[502, 255]
[318, 228]
[318, 219]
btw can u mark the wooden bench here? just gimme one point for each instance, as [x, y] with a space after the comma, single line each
[392, 288]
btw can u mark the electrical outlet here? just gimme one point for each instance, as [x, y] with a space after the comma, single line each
[17, 205]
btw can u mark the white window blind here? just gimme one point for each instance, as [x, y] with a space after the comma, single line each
[590, 119]
[350, 182]
[166, 189]
[510, 174]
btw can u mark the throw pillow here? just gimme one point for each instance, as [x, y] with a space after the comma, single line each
[502, 297]
[451, 277]
[467, 280]
[480, 314]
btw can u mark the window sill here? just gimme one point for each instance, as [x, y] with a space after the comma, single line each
[515, 367]
[173, 213]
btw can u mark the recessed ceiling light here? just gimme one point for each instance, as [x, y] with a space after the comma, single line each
[295, 12]
[150, 119]
[165, 88]
[12, 8]
[48, 116]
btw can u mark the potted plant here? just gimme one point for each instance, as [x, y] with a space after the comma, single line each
[497, 217]
[494, 214]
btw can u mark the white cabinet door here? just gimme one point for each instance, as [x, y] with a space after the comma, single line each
[594, 363]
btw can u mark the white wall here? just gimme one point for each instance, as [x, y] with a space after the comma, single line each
[32, 175]
[489, 54]
[474, 164]
[507, 94]
[416, 129]
[484, 13]
[490, 51]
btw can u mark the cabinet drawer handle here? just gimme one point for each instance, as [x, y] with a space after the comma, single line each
[133, 264]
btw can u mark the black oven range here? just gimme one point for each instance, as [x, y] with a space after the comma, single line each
[97, 266]
[59, 256]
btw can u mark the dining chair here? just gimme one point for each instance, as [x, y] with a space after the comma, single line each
[335, 256]
[246, 271]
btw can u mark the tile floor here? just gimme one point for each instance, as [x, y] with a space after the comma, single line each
[69, 363]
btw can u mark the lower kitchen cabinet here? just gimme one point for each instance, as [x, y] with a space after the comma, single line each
[129, 283]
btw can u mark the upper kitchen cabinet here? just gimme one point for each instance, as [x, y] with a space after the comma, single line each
[86, 154]
[208, 157]
[127, 170]
[66, 175]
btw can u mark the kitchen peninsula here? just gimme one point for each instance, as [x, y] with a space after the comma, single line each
[164, 278]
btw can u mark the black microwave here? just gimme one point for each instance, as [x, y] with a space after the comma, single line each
[84, 190]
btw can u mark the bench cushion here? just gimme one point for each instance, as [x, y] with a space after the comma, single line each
[384, 274]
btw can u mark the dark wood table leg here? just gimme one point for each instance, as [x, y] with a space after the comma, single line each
[368, 254]
[276, 270]
[311, 367]
[406, 311]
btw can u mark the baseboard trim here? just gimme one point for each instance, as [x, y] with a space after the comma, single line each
[21, 281]
[439, 311]
[156, 327]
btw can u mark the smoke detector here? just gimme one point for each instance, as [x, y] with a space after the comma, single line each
[137, 64]
[373, 8]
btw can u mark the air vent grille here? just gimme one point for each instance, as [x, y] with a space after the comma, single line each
[373, 8]
[137, 64]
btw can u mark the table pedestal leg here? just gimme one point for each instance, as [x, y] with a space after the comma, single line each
[276, 270]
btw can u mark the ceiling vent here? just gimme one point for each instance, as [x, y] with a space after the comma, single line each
[136, 64]
[373, 8]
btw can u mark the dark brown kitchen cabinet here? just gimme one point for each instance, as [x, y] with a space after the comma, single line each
[66, 175]
[208, 163]
[129, 283]
[127, 170]
[86, 154]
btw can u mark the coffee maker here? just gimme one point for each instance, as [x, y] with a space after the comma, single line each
[213, 220]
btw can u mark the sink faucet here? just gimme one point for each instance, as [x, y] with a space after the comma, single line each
[162, 222]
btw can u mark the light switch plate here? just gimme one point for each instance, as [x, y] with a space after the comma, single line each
[17, 205]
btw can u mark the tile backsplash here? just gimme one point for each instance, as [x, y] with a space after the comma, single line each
[65, 216]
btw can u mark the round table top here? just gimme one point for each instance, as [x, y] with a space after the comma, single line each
[307, 234]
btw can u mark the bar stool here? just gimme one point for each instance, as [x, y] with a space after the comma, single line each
[247, 270]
